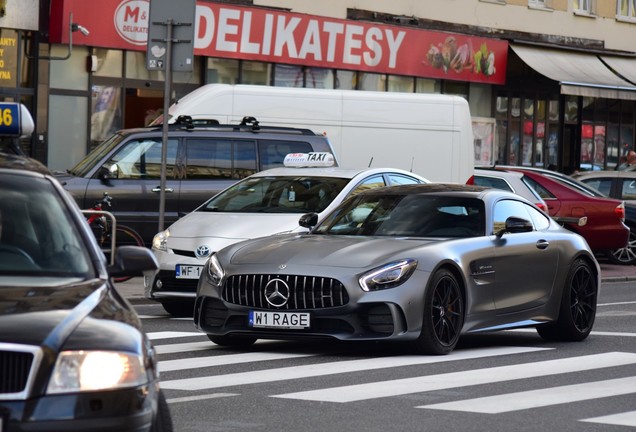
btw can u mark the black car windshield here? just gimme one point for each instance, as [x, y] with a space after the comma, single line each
[279, 194]
[416, 215]
[97, 154]
[38, 238]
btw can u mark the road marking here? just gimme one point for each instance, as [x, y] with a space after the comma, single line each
[201, 362]
[621, 419]
[594, 333]
[184, 347]
[172, 334]
[200, 397]
[616, 303]
[540, 398]
[463, 379]
[322, 369]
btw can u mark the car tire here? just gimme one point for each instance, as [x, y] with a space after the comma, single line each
[626, 255]
[163, 420]
[179, 308]
[443, 315]
[577, 311]
[232, 340]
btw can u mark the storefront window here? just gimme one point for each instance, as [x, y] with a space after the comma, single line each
[456, 88]
[346, 80]
[70, 74]
[613, 149]
[319, 78]
[256, 73]
[480, 100]
[106, 113]
[9, 58]
[222, 71]
[401, 84]
[424, 85]
[109, 62]
[501, 128]
[598, 157]
[67, 133]
[371, 81]
[26, 64]
[539, 134]
[571, 109]
[288, 76]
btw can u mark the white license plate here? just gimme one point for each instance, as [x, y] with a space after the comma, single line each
[188, 271]
[282, 320]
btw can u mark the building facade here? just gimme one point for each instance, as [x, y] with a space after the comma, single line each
[550, 83]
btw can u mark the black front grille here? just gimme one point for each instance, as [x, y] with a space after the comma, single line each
[14, 371]
[305, 292]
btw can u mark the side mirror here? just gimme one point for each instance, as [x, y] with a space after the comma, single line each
[308, 220]
[516, 225]
[107, 172]
[133, 261]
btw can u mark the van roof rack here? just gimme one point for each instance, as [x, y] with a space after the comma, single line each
[248, 123]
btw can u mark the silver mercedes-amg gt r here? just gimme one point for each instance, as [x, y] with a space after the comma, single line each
[417, 263]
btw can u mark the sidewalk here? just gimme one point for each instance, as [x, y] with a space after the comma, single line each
[133, 290]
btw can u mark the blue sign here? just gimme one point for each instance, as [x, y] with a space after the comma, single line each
[15, 120]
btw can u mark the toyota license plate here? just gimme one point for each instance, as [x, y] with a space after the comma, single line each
[188, 271]
[280, 320]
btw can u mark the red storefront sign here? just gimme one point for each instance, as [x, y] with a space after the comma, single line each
[229, 31]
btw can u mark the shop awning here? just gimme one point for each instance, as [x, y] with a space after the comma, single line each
[626, 67]
[579, 74]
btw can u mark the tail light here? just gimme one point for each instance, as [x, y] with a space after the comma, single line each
[471, 180]
[620, 211]
[542, 207]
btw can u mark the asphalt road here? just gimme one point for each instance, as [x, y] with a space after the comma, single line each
[492, 382]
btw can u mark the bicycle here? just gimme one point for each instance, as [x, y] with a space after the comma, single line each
[108, 233]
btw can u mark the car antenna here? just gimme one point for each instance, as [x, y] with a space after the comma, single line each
[370, 162]
[412, 161]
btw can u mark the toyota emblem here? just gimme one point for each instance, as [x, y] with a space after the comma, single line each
[277, 292]
[202, 251]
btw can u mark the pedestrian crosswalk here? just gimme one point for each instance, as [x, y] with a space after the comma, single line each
[264, 366]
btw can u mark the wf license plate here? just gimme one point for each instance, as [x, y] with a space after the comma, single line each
[281, 320]
[188, 271]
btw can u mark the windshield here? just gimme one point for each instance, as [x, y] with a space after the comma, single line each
[37, 235]
[97, 154]
[417, 215]
[280, 194]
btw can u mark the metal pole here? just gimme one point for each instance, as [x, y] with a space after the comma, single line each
[167, 93]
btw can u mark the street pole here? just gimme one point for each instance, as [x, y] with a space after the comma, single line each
[167, 93]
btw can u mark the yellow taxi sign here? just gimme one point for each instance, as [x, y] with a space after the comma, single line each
[312, 159]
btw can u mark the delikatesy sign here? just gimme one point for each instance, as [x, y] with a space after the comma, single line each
[230, 31]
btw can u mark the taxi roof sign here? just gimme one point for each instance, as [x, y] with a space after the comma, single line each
[15, 120]
[306, 160]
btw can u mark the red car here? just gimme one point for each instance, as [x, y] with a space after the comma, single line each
[599, 220]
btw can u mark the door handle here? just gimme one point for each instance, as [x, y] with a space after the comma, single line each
[158, 189]
[543, 244]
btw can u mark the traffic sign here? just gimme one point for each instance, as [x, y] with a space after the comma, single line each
[181, 16]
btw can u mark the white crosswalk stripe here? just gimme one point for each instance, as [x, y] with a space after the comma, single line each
[542, 397]
[200, 362]
[322, 369]
[171, 334]
[620, 419]
[462, 379]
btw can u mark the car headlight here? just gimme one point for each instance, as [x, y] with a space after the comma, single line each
[79, 371]
[160, 240]
[388, 276]
[215, 271]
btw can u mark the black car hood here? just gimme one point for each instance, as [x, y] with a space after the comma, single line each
[49, 314]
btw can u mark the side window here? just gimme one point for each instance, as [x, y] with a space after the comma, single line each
[507, 208]
[629, 189]
[602, 185]
[369, 183]
[272, 153]
[397, 179]
[495, 183]
[539, 219]
[141, 159]
[208, 159]
[244, 159]
[540, 190]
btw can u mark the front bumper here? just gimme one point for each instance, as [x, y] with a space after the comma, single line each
[120, 410]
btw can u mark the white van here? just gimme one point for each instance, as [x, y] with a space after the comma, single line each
[428, 134]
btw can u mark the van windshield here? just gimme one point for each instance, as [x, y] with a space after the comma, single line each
[280, 194]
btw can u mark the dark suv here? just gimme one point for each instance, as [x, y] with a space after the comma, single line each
[202, 159]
